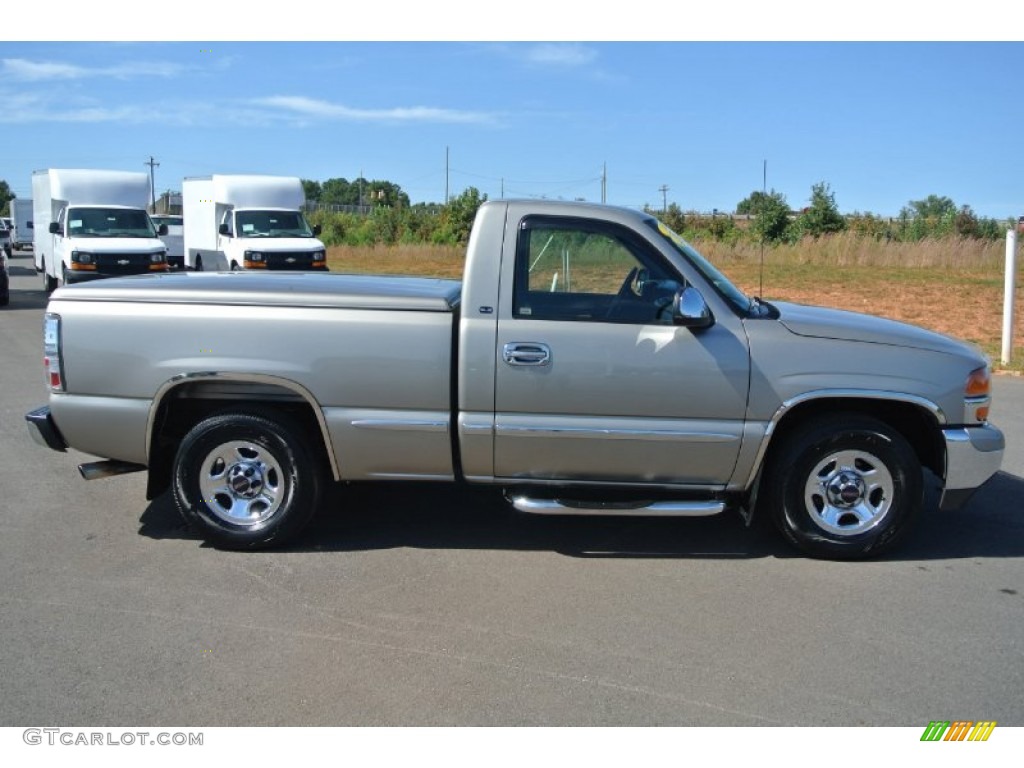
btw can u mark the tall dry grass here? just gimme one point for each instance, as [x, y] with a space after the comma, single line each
[418, 260]
[842, 250]
[952, 285]
[847, 249]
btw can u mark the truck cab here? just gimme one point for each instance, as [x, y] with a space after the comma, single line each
[269, 238]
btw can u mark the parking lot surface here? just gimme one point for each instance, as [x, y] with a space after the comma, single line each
[419, 605]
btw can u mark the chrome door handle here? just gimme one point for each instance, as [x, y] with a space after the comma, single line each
[526, 353]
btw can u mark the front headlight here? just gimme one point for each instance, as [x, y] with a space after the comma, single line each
[158, 257]
[80, 257]
[253, 256]
[977, 395]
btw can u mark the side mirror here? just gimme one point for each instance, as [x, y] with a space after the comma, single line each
[690, 310]
[162, 229]
[54, 228]
[223, 229]
[317, 230]
[29, 225]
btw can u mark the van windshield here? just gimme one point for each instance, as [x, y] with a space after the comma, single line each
[109, 222]
[272, 224]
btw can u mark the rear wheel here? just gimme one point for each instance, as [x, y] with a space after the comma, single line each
[844, 487]
[245, 481]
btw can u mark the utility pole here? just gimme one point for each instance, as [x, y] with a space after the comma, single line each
[152, 183]
[604, 183]
[446, 175]
[664, 198]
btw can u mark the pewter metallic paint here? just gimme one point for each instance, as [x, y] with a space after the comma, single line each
[654, 405]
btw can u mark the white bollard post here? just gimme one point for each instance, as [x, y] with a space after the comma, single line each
[1009, 289]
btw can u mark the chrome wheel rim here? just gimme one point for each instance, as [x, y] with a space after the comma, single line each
[241, 483]
[849, 492]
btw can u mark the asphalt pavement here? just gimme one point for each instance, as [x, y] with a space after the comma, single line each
[422, 605]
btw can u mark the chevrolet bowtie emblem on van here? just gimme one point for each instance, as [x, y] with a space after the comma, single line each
[290, 260]
[124, 262]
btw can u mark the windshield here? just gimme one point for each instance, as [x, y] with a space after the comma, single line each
[109, 222]
[722, 284]
[168, 220]
[272, 224]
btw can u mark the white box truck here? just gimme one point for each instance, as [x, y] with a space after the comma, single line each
[21, 223]
[90, 224]
[248, 222]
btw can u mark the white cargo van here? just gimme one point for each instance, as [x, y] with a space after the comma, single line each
[248, 222]
[90, 224]
[21, 223]
[174, 239]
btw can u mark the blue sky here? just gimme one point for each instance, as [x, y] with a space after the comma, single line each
[882, 122]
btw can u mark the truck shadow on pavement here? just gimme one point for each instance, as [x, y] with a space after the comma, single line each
[25, 299]
[428, 516]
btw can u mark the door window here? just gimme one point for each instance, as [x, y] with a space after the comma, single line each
[586, 270]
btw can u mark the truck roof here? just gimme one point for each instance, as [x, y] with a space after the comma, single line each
[303, 289]
[253, 190]
[81, 186]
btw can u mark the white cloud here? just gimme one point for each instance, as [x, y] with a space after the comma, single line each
[24, 70]
[560, 54]
[304, 107]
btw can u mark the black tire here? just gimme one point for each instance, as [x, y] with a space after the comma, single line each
[246, 482]
[844, 487]
[49, 283]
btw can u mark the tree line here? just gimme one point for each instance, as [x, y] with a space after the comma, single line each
[381, 213]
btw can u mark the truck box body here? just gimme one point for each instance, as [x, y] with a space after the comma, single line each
[89, 224]
[21, 219]
[248, 222]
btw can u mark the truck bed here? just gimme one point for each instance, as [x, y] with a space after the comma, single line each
[303, 289]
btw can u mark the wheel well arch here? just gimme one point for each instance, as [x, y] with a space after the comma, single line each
[184, 401]
[918, 424]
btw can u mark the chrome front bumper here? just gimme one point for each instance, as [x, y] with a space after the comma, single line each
[973, 455]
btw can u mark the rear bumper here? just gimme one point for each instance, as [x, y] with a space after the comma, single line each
[973, 455]
[44, 430]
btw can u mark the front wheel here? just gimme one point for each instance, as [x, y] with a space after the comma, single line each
[844, 487]
[49, 283]
[245, 481]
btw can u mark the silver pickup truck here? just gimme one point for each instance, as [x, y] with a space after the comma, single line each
[590, 362]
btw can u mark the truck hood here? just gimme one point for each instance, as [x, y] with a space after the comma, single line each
[823, 323]
[116, 244]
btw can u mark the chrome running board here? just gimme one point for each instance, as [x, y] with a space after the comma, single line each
[611, 508]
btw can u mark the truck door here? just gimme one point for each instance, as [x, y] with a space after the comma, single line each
[225, 231]
[55, 266]
[594, 382]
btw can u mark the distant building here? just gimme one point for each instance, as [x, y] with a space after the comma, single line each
[169, 203]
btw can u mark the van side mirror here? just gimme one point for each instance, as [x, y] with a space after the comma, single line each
[317, 230]
[162, 229]
[690, 310]
[223, 229]
[29, 225]
[54, 228]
